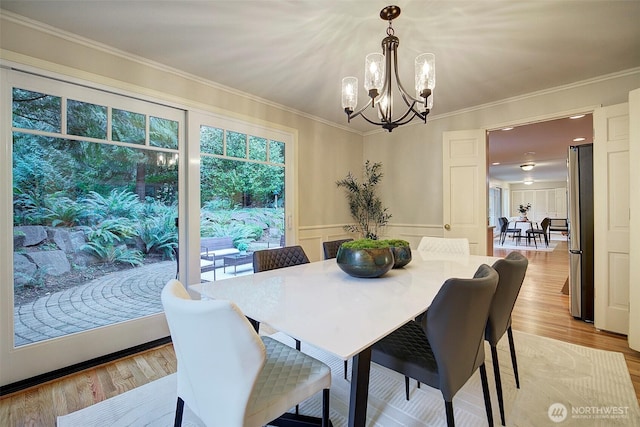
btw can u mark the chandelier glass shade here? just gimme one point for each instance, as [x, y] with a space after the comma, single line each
[527, 166]
[380, 73]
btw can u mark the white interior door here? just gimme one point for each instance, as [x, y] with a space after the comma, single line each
[465, 184]
[634, 205]
[611, 218]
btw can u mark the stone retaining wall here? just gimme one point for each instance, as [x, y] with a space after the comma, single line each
[40, 250]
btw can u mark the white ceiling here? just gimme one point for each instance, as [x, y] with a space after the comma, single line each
[295, 53]
[544, 144]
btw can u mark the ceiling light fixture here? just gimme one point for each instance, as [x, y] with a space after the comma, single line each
[527, 166]
[378, 71]
[528, 182]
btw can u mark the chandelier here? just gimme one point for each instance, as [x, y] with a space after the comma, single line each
[378, 81]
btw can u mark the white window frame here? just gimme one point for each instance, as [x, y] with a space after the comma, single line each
[42, 357]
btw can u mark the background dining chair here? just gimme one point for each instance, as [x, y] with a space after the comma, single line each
[272, 259]
[448, 347]
[511, 270]
[516, 233]
[444, 245]
[330, 248]
[541, 231]
[230, 376]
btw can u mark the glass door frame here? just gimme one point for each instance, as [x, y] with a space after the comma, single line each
[20, 363]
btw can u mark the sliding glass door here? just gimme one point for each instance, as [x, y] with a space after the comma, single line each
[97, 191]
[93, 204]
[244, 196]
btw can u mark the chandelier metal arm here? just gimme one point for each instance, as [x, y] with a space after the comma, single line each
[383, 101]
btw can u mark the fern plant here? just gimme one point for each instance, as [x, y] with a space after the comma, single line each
[105, 241]
[364, 204]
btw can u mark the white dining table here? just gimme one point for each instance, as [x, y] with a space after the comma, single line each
[319, 304]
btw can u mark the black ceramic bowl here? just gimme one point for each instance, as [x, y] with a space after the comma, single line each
[366, 263]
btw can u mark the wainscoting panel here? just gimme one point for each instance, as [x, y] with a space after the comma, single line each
[311, 237]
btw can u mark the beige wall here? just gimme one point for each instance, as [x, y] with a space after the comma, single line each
[325, 153]
[412, 155]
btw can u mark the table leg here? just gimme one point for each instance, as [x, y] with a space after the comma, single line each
[360, 369]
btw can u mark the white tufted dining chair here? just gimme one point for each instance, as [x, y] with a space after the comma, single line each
[457, 246]
[228, 375]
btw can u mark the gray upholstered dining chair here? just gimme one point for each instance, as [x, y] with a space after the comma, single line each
[511, 270]
[272, 259]
[330, 248]
[427, 351]
[443, 246]
[230, 376]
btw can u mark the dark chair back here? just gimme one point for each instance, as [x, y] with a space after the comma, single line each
[511, 270]
[455, 324]
[271, 259]
[502, 221]
[331, 248]
[545, 224]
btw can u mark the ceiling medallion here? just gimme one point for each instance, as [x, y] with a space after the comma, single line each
[378, 81]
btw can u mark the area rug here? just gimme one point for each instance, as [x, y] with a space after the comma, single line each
[560, 384]
[523, 246]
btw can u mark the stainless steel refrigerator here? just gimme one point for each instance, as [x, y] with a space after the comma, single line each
[580, 205]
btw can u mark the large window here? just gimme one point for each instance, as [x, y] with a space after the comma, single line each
[95, 198]
[94, 186]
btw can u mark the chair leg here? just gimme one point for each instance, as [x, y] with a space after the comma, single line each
[255, 324]
[448, 407]
[496, 374]
[514, 362]
[325, 408]
[179, 410]
[485, 392]
[406, 387]
[297, 348]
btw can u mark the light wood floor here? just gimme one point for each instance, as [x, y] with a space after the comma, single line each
[541, 309]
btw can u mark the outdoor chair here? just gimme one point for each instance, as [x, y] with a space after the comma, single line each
[511, 270]
[448, 346]
[230, 376]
